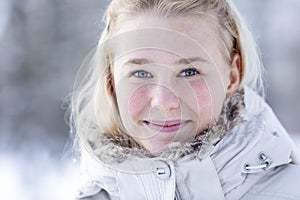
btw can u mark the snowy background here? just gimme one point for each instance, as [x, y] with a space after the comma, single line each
[42, 44]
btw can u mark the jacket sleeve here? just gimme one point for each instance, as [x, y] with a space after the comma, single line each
[94, 192]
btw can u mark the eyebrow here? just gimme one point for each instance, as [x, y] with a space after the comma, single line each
[191, 60]
[137, 61]
[143, 61]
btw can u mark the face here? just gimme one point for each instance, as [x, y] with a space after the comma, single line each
[170, 78]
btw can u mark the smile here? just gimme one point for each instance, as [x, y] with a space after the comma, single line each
[165, 126]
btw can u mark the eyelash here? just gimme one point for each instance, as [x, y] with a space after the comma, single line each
[195, 72]
[138, 73]
[146, 74]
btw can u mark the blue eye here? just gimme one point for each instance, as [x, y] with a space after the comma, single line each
[188, 72]
[142, 74]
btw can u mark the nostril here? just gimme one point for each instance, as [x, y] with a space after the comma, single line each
[165, 103]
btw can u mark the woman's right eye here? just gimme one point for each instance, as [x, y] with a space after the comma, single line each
[142, 74]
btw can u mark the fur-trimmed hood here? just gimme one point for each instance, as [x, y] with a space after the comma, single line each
[246, 154]
[109, 150]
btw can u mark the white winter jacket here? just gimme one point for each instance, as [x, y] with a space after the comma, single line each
[258, 160]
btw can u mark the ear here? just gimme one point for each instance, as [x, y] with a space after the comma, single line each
[235, 74]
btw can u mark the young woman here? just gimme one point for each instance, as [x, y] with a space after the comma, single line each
[169, 108]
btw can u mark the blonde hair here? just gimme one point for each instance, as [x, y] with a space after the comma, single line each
[93, 104]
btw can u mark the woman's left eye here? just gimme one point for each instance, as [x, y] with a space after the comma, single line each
[189, 72]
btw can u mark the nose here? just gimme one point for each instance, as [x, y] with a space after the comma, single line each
[164, 98]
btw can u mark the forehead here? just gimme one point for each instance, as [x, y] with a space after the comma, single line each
[186, 37]
[192, 25]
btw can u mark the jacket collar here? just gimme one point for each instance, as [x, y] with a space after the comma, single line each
[256, 146]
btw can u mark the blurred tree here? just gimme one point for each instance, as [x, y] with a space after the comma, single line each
[277, 30]
[40, 50]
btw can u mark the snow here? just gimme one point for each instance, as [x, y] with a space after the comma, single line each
[37, 176]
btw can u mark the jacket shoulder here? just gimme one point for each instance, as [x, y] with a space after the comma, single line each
[280, 184]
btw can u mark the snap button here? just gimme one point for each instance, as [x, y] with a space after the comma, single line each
[275, 133]
[162, 170]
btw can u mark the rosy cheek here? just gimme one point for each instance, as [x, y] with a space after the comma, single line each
[203, 100]
[201, 92]
[137, 102]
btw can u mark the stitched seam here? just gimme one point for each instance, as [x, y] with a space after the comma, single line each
[275, 194]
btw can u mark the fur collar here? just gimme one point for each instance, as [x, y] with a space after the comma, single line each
[115, 150]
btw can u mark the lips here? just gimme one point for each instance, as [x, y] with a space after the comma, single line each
[165, 126]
